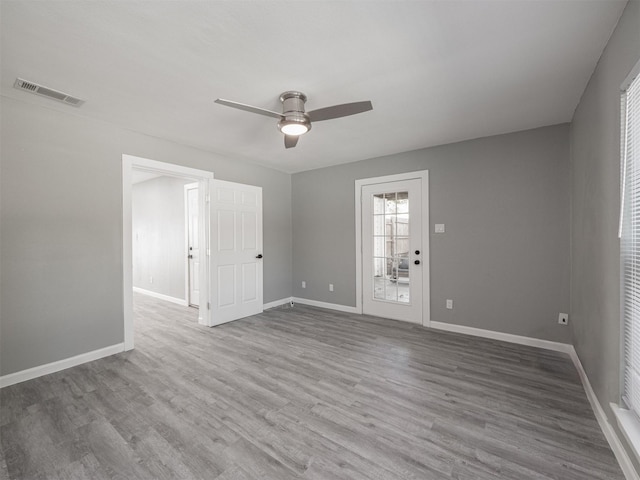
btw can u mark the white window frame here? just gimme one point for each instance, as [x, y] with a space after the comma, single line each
[627, 412]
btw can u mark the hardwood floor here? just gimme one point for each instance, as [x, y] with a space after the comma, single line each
[304, 393]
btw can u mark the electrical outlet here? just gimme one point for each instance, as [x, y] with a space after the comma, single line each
[563, 318]
[304, 284]
[331, 287]
[449, 304]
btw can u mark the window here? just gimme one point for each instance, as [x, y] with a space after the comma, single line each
[630, 241]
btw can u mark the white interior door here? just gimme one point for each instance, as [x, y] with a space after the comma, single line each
[193, 243]
[392, 256]
[236, 257]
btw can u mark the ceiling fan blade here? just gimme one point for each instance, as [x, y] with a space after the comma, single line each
[290, 141]
[249, 108]
[337, 111]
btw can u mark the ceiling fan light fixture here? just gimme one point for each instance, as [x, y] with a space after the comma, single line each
[294, 125]
[293, 128]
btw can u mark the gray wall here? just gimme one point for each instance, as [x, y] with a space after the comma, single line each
[158, 227]
[504, 258]
[595, 200]
[61, 239]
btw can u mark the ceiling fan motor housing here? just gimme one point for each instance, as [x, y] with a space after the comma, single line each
[293, 109]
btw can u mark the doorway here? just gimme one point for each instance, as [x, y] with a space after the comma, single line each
[392, 238]
[202, 179]
[229, 240]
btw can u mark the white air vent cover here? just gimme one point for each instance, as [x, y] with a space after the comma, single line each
[32, 87]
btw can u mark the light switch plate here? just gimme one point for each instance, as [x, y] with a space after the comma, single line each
[439, 228]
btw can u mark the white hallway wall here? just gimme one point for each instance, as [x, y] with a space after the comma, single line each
[158, 244]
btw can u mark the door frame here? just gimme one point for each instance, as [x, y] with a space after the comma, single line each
[187, 270]
[423, 176]
[203, 177]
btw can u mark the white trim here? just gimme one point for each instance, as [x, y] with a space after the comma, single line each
[127, 251]
[40, 370]
[635, 71]
[630, 428]
[277, 303]
[165, 168]
[129, 162]
[505, 337]
[609, 433]
[179, 301]
[204, 232]
[330, 306]
[423, 175]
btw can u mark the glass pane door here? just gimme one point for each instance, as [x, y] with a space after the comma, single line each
[391, 244]
[391, 247]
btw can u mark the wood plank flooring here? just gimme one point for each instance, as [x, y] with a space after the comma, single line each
[304, 393]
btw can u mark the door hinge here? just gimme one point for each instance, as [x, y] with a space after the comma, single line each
[208, 198]
[208, 306]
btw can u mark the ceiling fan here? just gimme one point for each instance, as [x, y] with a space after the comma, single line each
[294, 121]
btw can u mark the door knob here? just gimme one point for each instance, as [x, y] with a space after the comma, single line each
[417, 252]
[190, 256]
[259, 255]
[417, 262]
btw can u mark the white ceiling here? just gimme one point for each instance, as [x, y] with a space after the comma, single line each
[436, 71]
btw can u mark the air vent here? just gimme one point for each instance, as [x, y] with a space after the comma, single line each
[32, 87]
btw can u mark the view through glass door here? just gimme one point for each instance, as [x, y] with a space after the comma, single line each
[392, 250]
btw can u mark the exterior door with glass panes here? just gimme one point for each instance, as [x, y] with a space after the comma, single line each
[392, 250]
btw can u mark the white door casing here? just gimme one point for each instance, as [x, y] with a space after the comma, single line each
[192, 244]
[236, 251]
[407, 296]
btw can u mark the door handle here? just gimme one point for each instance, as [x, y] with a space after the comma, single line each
[190, 256]
[417, 252]
[417, 262]
[259, 255]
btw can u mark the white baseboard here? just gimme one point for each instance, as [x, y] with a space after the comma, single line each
[179, 301]
[277, 303]
[610, 434]
[505, 337]
[330, 306]
[53, 367]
